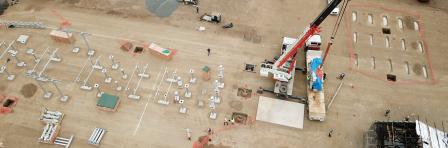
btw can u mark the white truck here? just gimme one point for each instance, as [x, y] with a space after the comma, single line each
[189, 2]
[213, 17]
[313, 43]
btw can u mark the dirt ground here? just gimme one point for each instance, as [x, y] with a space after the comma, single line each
[259, 27]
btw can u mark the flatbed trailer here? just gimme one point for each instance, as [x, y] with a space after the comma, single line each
[316, 99]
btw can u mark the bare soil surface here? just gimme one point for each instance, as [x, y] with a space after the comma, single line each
[28, 90]
[256, 36]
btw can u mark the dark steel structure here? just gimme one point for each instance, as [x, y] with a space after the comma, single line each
[392, 134]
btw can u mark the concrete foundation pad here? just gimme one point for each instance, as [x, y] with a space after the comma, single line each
[280, 112]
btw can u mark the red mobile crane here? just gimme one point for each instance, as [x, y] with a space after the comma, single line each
[284, 67]
[308, 32]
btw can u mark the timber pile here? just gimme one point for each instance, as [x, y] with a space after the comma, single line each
[161, 52]
[61, 36]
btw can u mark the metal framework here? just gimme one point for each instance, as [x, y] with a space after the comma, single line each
[393, 134]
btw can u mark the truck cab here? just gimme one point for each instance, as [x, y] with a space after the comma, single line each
[213, 17]
[313, 43]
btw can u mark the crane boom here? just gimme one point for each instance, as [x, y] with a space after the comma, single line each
[307, 33]
[84, 37]
[64, 23]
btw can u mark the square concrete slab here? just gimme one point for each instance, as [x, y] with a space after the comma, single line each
[280, 112]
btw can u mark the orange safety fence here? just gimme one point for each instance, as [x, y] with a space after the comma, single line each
[7, 109]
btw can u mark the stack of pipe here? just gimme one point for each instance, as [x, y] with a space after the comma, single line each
[49, 133]
[23, 24]
[96, 136]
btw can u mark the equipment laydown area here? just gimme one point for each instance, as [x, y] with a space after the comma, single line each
[223, 74]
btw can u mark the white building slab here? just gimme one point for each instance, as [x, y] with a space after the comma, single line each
[280, 112]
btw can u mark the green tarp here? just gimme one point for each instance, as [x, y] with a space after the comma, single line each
[108, 101]
[206, 69]
[166, 52]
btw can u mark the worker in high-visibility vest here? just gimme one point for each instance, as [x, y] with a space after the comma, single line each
[189, 134]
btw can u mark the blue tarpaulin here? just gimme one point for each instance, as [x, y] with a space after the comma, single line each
[316, 79]
[315, 63]
[317, 85]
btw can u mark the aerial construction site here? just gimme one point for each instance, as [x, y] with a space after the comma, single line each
[223, 73]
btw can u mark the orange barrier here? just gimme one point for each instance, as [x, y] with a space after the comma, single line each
[7, 108]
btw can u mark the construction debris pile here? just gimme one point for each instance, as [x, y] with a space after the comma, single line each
[61, 36]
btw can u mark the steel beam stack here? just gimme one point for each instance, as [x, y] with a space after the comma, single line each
[22, 24]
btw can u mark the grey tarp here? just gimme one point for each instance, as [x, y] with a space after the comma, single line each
[3, 6]
[162, 8]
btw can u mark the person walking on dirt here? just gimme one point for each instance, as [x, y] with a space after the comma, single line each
[197, 9]
[226, 122]
[208, 51]
[189, 134]
[387, 113]
[209, 131]
[330, 133]
[341, 76]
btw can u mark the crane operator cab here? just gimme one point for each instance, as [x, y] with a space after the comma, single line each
[335, 11]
